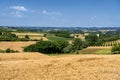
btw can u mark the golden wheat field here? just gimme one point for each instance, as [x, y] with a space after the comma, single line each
[15, 45]
[37, 66]
[31, 35]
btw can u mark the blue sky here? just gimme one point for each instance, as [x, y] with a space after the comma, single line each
[68, 13]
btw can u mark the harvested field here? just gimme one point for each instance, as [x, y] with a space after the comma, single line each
[39, 38]
[66, 67]
[21, 56]
[27, 33]
[15, 45]
[32, 36]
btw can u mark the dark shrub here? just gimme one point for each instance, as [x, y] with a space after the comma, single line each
[116, 49]
[47, 47]
[43, 47]
[8, 50]
[61, 44]
[92, 39]
[27, 37]
[116, 52]
[68, 49]
[79, 44]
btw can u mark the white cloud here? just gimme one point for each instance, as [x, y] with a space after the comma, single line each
[17, 14]
[18, 11]
[51, 12]
[18, 8]
[45, 12]
[93, 17]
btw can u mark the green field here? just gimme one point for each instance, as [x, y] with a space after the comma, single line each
[96, 50]
[52, 37]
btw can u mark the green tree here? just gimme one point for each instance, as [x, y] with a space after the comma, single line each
[61, 33]
[0, 33]
[7, 36]
[47, 47]
[43, 47]
[61, 44]
[8, 50]
[79, 44]
[69, 49]
[27, 37]
[92, 39]
[116, 49]
[44, 35]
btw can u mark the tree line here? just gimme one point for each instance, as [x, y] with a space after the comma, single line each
[94, 40]
[8, 36]
[60, 46]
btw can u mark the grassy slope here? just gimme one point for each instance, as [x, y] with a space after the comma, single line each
[96, 50]
[52, 37]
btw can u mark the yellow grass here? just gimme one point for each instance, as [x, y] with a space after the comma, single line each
[34, 66]
[32, 35]
[39, 38]
[28, 33]
[15, 45]
[21, 56]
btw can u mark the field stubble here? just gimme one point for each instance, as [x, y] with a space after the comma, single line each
[15, 45]
[34, 66]
[32, 35]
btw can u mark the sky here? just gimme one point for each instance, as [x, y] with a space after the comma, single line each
[60, 13]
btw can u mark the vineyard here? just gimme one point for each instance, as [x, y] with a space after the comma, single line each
[108, 44]
[111, 43]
